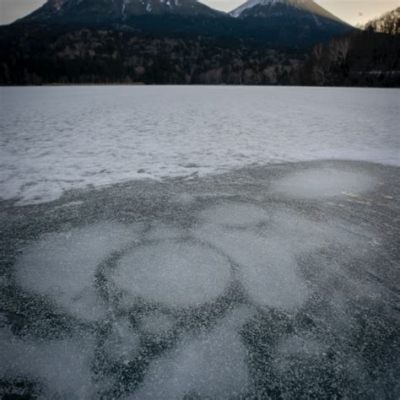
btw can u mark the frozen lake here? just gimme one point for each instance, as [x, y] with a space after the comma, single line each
[60, 138]
[263, 261]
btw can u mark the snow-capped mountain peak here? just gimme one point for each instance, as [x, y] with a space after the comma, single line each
[277, 8]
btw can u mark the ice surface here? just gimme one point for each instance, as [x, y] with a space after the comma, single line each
[156, 323]
[173, 273]
[298, 298]
[323, 182]
[63, 366]
[297, 345]
[122, 343]
[212, 365]
[62, 266]
[75, 137]
[267, 245]
[305, 236]
[240, 293]
[235, 215]
[161, 231]
[267, 267]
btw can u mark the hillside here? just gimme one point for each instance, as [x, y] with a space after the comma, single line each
[362, 58]
[389, 23]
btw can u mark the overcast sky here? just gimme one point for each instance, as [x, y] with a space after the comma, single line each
[352, 11]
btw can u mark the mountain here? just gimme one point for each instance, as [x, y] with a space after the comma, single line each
[162, 41]
[293, 24]
[114, 11]
[283, 8]
[286, 19]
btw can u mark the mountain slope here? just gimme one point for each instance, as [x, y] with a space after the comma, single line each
[114, 11]
[279, 8]
[292, 23]
[303, 19]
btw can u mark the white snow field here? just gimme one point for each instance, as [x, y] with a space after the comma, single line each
[61, 138]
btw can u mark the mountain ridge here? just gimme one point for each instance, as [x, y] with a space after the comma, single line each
[69, 41]
[271, 6]
[114, 11]
[298, 23]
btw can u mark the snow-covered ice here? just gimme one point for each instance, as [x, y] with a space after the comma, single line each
[60, 138]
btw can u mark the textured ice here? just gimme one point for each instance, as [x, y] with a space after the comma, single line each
[62, 366]
[156, 323]
[122, 343]
[301, 346]
[173, 273]
[62, 266]
[266, 254]
[271, 275]
[305, 236]
[237, 294]
[212, 365]
[235, 215]
[323, 182]
[267, 267]
[163, 232]
[75, 137]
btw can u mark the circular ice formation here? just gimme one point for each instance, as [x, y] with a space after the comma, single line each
[62, 266]
[321, 183]
[173, 273]
[235, 215]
